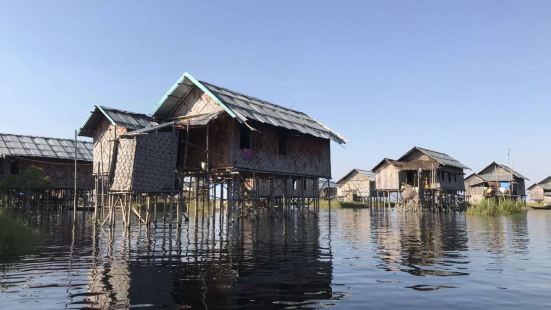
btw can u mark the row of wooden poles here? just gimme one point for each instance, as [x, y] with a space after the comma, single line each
[201, 193]
[428, 199]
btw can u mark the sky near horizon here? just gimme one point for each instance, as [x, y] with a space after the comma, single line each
[468, 78]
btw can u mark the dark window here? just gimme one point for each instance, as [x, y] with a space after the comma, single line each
[455, 178]
[305, 183]
[449, 178]
[1, 166]
[282, 144]
[14, 168]
[244, 137]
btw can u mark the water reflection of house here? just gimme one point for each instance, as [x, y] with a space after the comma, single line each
[541, 191]
[262, 263]
[495, 180]
[356, 185]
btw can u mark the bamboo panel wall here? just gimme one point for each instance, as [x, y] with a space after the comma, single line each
[124, 166]
[197, 102]
[358, 184]
[306, 155]
[155, 162]
[103, 138]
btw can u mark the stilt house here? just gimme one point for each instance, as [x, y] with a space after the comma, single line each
[56, 157]
[435, 176]
[541, 191]
[495, 180]
[215, 135]
[357, 185]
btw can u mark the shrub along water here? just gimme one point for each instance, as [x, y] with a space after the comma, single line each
[495, 207]
[16, 237]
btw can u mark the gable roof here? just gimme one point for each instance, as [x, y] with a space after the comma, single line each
[43, 147]
[367, 173]
[441, 158]
[126, 119]
[245, 108]
[472, 175]
[384, 161]
[323, 184]
[489, 176]
[545, 184]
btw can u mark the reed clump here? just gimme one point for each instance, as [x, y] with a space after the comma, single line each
[493, 207]
[16, 237]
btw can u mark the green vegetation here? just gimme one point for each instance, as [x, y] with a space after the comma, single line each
[16, 237]
[29, 180]
[493, 207]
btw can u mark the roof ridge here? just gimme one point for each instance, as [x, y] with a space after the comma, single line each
[42, 137]
[256, 98]
[125, 111]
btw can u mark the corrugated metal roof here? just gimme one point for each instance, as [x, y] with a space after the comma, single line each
[323, 184]
[30, 146]
[384, 161]
[506, 168]
[195, 120]
[441, 158]
[126, 119]
[245, 108]
[369, 174]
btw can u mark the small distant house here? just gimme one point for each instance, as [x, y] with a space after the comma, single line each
[474, 191]
[430, 172]
[56, 157]
[495, 180]
[357, 185]
[387, 175]
[541, 191]
[328, 189]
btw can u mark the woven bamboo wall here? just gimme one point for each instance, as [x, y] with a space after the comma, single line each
[197, 102]
[124, 167]
[103, 145]
[388, 178]
[357, 184]
[155, 162]
[306, 155]
[146, 163]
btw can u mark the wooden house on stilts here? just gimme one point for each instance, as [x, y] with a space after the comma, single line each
[495, 180]
[55, 158]
[204, 138]
[541, 191]
[356, 185]
[437, 178]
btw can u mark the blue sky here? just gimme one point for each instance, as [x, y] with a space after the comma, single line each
[469, 78]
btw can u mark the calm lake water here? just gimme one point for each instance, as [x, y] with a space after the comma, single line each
[349, 258]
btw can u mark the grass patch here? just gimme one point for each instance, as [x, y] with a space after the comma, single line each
[493, 207]
[16, 237]
[342, 204]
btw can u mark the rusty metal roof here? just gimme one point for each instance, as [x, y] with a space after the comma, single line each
[42, 147]
[245, 108]
[126, 119]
